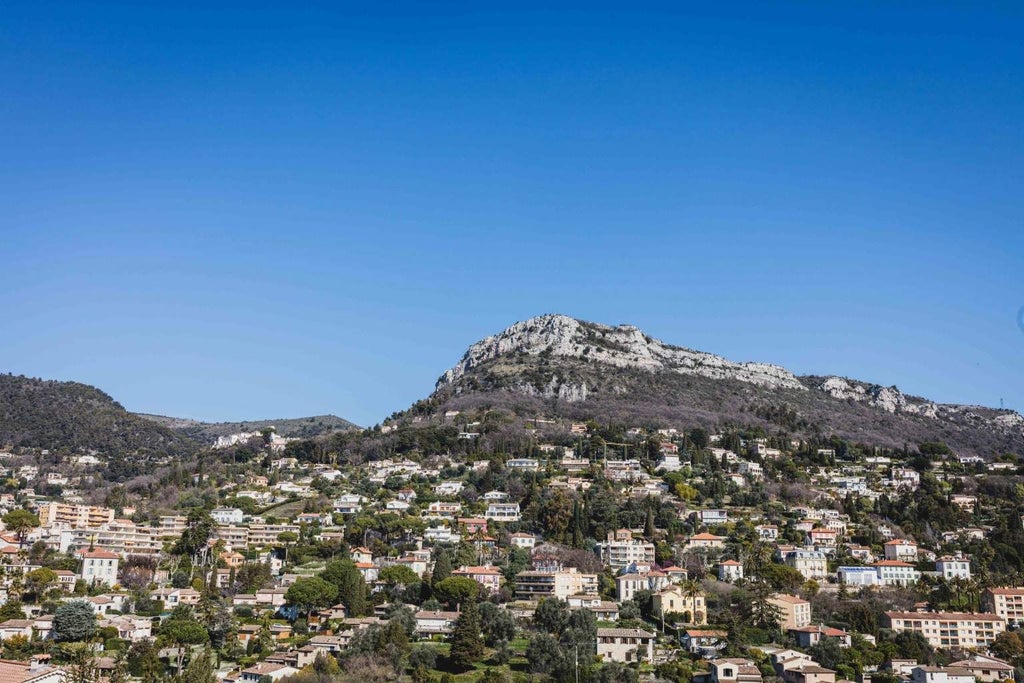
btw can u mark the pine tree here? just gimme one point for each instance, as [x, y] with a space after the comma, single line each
[467, 643]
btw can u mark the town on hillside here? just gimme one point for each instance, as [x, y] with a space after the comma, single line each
[482, 546]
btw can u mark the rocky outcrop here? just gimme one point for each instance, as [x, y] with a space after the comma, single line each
[558, 357]
[623, 346]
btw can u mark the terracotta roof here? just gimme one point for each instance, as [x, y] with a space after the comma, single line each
[18, 672]
[99, 554]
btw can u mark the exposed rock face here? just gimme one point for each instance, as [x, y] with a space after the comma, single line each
[623, 346]
[889, 399]
[558, 357]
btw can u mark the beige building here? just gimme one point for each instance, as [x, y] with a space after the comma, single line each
[625, 644]
[674, 599]
[1006, 603]
[534, 585]
[74, 515]
[794, 612]
[948, 629]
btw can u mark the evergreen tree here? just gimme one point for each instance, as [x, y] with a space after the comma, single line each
[579, 525]
[467, 644]
[442, 568]
[345, 576]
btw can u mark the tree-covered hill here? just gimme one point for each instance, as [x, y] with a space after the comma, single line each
[78, 417]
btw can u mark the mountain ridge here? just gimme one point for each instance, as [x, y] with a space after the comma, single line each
[560, 358]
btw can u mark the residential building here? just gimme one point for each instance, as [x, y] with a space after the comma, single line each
[901, 549]
[896, 573]
[1006, 603]
[948, 629]
[99, 566]
[858, 576]
[503, 512]
[812, 564]
[625, 644]
[534, 585]
[730, 571]
[953, 567]
[74, 515]
[488, 577]
[674, 599]
[793, 612]
[622, 550]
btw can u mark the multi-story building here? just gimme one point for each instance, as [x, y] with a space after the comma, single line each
[953, 567]
[674, 599]
[625, 644]
[730, 571]
[948, 629]
[121, 536]
[896, 573]
[901, 549]
[1006, 603]
[74, 515]
[503, 512]
[627, 585]
[172, 526]
[622, 550]
[227, 515]
[534, 585]
[793, 612]
[488, 577]
[813, 564]
[266, 534]
[99, 566]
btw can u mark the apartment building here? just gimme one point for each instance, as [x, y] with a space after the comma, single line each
[948, 629]
[622, 550]
[534, 585]
[793, 612]
[1005, 603]
[121, 536]
[503, 512]
[74, 515]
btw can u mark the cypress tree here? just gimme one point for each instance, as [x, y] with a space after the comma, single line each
[467, 644]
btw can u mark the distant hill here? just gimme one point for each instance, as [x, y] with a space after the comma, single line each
[557, 365]
[206, 433]
[78, 417]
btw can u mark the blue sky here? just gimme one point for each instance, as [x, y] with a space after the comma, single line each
[249, 210]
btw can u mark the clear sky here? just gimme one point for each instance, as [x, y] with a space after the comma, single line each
[255, 210]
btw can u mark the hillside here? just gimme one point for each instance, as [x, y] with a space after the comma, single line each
[78, 417]
[554, 364]
[206, 433]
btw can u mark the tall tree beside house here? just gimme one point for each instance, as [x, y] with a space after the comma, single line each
[467, 642]
[345, 576]
[74, 621]
[579, 525]
[442, 568]
[20, 522]
[649, 525]
[310, 593]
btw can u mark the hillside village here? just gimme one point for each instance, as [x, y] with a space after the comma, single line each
[425, 550]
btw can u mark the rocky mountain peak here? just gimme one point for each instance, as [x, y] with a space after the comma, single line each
[622, 346]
